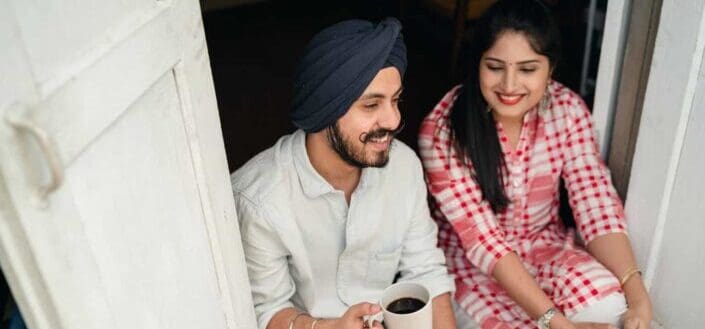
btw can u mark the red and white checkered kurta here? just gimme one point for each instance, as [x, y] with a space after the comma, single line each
[554, 142]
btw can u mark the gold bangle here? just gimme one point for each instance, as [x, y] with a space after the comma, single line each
[313, 325]
[628, 275]
[291, 323]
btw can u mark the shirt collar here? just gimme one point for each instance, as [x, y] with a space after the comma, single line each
[312, 183]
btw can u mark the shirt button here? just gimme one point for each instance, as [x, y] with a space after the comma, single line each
[516, 182]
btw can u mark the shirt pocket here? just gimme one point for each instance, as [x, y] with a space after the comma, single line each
[382, 268]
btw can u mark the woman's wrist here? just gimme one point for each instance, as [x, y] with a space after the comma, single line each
[632, 272]
[634, 290]
[559, 321]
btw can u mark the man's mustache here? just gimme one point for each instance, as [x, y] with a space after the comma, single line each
[379, 133]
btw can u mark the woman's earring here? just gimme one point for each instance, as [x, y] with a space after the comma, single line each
[545, 101]
[489, 108]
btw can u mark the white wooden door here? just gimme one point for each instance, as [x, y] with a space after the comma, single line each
[115, 202]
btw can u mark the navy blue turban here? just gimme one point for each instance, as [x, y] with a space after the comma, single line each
[338, 64]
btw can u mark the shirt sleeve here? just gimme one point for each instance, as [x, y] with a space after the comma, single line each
[266, 257]
[421, 259]
[456, 192]
[593, 199]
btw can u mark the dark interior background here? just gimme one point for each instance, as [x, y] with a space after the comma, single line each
[254, 49]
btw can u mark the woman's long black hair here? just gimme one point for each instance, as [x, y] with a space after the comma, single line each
[474, 128]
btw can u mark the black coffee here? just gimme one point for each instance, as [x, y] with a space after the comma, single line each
[405, 305]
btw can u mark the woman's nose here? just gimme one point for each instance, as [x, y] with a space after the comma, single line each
[509, 81]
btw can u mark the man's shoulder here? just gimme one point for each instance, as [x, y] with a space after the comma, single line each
[402, 151]
[259, 177]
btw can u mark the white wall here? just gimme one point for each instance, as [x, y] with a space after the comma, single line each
[666, 200]
[678, 281]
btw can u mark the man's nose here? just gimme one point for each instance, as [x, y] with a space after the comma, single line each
[390, 117]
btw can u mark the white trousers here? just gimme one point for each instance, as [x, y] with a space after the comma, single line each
[607, 310]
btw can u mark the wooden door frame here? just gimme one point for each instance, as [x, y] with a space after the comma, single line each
[643, 25]
[625, 62]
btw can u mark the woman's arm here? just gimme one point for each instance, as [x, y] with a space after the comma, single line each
[523, 289]
[599, 213]
[615, 252]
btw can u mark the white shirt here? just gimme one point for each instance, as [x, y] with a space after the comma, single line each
[306, 248]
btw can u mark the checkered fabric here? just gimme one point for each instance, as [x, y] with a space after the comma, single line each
[555, 142]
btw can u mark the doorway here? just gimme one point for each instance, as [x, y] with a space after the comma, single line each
[254, 48]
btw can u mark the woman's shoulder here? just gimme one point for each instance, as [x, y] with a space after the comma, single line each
[445, 105]
[565, 103]
[435, 127]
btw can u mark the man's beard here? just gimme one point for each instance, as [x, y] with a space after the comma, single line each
[346, 147]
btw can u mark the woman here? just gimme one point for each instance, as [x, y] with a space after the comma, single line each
[494, 150]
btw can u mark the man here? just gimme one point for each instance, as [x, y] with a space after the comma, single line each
[331, 213]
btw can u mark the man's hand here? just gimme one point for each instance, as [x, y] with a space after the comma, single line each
[353, 318]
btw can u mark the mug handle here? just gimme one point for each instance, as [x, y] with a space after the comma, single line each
[379, 316]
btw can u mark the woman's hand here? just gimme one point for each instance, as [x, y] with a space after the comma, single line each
[639, 315]
[614, 251]
[353, 318]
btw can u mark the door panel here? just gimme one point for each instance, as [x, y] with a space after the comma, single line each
[92, 99]
[53, 42]
[16, 78]
[142, 232]
[142, 155]
[53, 270]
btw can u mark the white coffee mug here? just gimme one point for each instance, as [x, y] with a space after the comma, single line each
[418, 319]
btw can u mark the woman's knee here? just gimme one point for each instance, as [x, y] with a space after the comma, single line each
[606, 310]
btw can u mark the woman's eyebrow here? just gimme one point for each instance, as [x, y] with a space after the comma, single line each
[529, 61]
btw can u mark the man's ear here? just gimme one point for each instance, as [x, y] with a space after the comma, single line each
[328, 133]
